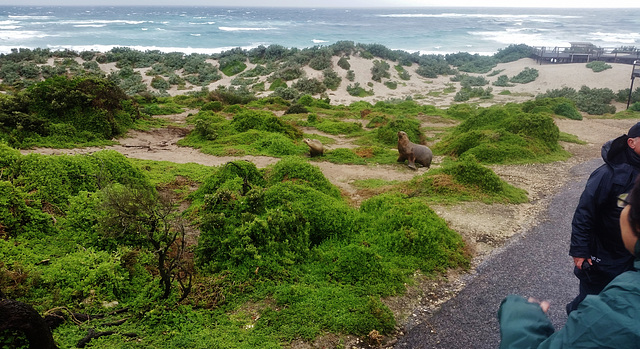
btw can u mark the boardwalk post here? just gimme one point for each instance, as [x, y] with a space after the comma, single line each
[634, 73]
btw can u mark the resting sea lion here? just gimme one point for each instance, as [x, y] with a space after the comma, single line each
[413, 152]
[315, 147]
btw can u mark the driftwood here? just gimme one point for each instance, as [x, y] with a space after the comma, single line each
[18, 316]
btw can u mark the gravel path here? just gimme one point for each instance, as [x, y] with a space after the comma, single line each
[536, 264]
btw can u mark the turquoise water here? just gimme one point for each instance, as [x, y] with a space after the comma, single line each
[214, 29]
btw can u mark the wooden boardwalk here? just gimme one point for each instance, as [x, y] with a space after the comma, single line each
[582, 52]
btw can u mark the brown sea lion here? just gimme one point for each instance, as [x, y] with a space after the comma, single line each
[315, 147]
[413, 152]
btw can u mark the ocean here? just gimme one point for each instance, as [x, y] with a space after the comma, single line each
[216, 29]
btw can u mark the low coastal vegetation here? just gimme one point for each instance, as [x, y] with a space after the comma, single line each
[173, 255]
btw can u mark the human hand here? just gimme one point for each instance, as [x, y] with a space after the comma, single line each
[578, 261]
[543, 304]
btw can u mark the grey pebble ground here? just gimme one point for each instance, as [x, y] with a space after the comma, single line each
[534, 264]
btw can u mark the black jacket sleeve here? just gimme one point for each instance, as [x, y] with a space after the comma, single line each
[586, 219]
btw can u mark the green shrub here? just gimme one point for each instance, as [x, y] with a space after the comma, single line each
[525, 76]
[598, 66]
[567, 110]
[469, 63]
[277, 83]
[502, 81]
[331, 79]
[469, 172]
[595, 101]
[500, 134]
[339, 127]
[20, 215]
[265, 121]
[388, 134]
[230, 67]
[320, 62]
[277, 145]
[300, 171]
[513, 53]
[351, 76]
[328, 216]
[343, 63]
[344, 156]
[410, 228]
[380, 70]
[468, 81]
[88, 104]
[215, 106]
[245, 171]
[159, 83]
[296, 109]
[391, 84]
[357, 91]
[309, 86]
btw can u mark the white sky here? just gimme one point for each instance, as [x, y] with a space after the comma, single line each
[337, 3]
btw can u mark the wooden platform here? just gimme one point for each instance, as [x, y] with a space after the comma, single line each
[585, 53]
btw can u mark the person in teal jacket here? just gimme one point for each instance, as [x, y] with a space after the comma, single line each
[610, 319]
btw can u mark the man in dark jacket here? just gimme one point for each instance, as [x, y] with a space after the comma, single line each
[596, 247]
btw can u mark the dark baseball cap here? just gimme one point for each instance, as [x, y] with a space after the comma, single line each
[634, 131]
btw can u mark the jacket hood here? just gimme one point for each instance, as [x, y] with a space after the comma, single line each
[617, 152]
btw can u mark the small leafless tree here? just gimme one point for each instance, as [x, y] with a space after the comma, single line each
[141, 216]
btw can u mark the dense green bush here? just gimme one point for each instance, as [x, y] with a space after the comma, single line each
[331, 79]
[410, 228]
[320, 62]
[467, 93]
[500, 134]
[559, 105]
[388, 133]
[233, 65]
[358, 91]
[469, 63]
[380, 70]
[298, 170]
[343, 63]
[595, 101]
[513, 53]
[502, 81]
[598, 66]
[525, 76]
[468, 81]
[88, 104]
[309, 86]
[264, 121]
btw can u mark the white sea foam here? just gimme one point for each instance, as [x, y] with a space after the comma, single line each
[318, 41]
[237, 29]
[90, 25]
[106, 48]
[29, 17]
[22, 35]
[195, 34]
[9, 22]
[10, 27]
[618, 38]
[101, 21]
[513, 36]
[476, 15]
